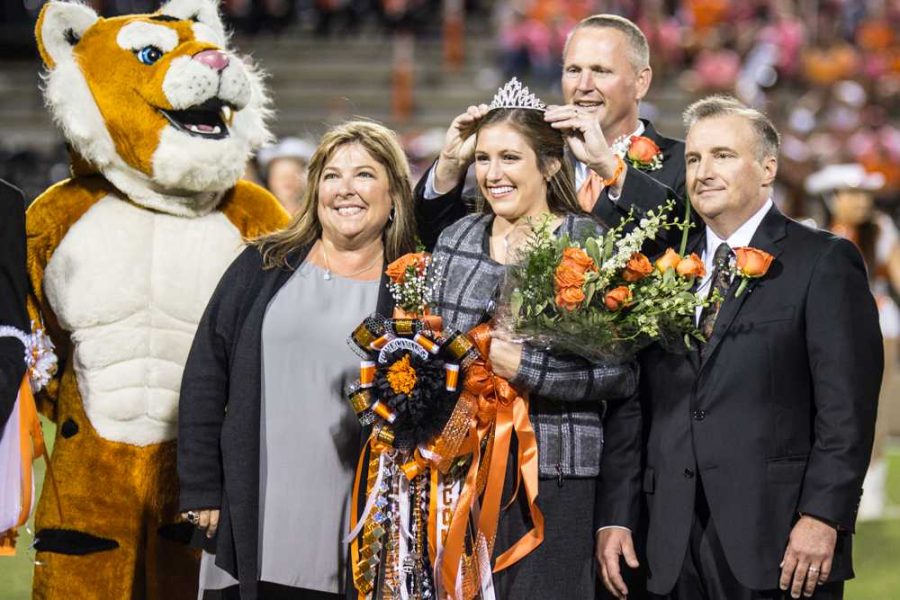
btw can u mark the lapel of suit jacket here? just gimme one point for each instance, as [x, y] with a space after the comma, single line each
[664, 144]
[767, 237]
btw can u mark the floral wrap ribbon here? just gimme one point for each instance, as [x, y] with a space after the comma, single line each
[499, 412]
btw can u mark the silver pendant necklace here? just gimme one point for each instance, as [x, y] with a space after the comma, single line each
[327, 276]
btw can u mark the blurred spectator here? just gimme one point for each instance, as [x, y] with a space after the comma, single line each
[283, 167]
[848, 192]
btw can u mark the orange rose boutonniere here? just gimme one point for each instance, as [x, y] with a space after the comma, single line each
[750, 263]
[644, 154]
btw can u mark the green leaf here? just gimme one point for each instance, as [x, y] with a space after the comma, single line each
[593, 250]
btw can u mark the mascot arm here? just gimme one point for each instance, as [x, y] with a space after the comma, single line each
[47, 221]
[253, 210]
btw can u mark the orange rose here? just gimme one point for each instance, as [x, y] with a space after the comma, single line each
[397, 269]
[691, 266]
[569, 298]
[618, 298]
[642, 149]
[637, 268]
[567, 275]
[579, 258]
[751, 262]
[669, 260]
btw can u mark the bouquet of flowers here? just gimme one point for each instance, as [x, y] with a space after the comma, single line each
[600, 297]
[433, 409]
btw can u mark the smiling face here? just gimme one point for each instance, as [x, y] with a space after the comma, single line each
[508, 173]
[726, 179]
[598, 75]
[354, 197]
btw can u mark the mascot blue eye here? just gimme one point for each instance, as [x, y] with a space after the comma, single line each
[149, 54]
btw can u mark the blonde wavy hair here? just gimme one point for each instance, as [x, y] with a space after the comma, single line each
[305, 228]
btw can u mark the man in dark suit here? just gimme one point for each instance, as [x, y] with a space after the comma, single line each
[13, 287]
[606, 73]
[759, 439]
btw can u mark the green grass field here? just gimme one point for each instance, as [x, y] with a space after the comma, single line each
[876, 548]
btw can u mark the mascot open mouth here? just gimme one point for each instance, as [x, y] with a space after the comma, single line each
[207, 120]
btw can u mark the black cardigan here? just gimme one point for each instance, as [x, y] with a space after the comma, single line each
[13, 287]
[219, 409]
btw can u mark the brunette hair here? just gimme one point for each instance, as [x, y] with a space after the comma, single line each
[548, 144]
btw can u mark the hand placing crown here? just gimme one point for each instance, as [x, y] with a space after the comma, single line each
[515, 95]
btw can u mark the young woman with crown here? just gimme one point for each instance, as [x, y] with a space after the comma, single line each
[525, 179]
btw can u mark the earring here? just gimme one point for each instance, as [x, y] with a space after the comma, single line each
[391, 215]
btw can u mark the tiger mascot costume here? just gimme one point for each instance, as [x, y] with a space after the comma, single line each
[161, 118]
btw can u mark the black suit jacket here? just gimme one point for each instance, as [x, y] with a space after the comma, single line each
[776, 417]
[13, 287]
[643, 191]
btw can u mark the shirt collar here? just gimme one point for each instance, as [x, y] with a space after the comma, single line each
[743, 234]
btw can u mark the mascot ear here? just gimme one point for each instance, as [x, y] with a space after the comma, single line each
[201, 12]
[59, 27]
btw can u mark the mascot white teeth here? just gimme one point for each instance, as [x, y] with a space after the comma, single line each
[161, 118]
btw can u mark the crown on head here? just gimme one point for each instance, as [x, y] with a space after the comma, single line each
[515, 95]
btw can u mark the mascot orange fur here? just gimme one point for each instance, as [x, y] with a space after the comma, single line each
[161, 118]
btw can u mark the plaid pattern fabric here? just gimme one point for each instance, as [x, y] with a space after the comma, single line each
[567, 393]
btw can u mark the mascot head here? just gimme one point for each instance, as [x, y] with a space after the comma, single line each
[157, 103]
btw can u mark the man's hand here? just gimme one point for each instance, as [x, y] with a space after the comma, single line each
[584, 136]
[207, 519]
[807, 560]
[458, 149]
[613, 542]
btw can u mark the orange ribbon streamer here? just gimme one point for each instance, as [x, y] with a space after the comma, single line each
[501, 411]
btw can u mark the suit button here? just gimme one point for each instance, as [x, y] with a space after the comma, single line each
[699, 415]
[688, 473]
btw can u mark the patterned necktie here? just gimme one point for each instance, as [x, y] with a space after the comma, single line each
[721, 281]
[589, 191]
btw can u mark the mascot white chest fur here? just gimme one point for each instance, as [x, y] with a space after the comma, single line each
[161, 118]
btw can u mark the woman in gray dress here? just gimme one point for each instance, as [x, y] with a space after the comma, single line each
[267, 443]
[524, 176]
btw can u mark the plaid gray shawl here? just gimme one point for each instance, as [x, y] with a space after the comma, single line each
[567, 394]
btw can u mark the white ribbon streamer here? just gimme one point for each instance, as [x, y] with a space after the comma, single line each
[370, 503]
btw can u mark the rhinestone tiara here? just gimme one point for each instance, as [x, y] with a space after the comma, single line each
[515, 95]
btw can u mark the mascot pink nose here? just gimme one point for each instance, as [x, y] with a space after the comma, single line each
[213, 59]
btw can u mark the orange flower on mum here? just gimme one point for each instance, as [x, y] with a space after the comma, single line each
[569, 298]
[637, 268]
[669, 260]
[691, 266]
[618, 298]
[397, 269]
[402, 376]
[578, 258]
[750, 263]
